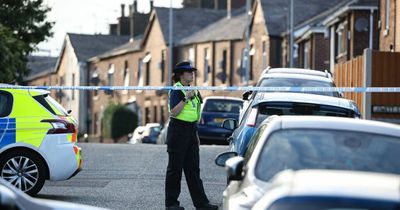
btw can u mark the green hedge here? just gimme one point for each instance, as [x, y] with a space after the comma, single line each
[118, 121]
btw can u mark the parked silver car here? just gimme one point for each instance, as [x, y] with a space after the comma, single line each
[331, 189]
[308, 142]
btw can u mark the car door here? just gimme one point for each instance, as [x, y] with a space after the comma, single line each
[7, 124]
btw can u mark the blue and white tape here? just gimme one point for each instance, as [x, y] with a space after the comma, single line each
[216, 88]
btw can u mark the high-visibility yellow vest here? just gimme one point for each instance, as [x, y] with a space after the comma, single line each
[191, 110]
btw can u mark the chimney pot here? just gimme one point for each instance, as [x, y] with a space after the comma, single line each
[134, 6]
[122, 10]
[151, 4]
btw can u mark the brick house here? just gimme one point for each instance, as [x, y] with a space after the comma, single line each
[350, 30]
[389, 25]
[72, 70]
[270, 19]
[117, 67]
[42, 72]
[216, 51]
[156, 56]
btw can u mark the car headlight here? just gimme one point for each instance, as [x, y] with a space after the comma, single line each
[246, 198]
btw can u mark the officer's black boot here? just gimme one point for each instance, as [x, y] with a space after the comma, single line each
[207, 206]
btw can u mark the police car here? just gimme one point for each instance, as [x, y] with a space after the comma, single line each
[37, 140]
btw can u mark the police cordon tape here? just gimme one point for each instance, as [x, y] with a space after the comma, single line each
[216, 88]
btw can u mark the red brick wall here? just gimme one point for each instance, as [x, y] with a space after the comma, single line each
[320, 51]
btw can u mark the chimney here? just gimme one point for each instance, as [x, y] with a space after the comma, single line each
[151, 5]
[228, 8]
[122, 10]
[134, 6]
[130, 11]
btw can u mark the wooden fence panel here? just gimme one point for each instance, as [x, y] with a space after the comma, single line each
[350, 74]
[385, 73]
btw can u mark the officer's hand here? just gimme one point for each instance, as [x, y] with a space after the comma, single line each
[189, 93]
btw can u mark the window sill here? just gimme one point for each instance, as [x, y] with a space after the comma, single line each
[386, 32]
[341, 55]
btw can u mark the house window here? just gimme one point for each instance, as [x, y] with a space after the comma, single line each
[243, 66]
[110, 74]
[110, 77]
[95, 80]
[251, 54]
[224, 66]
[306, 57]
[126, 76]
[73, 84]
[341, 39]
[148, 73]
[147, 61]
[206, 64]
[147, 114]
[191, 55]
[162, 66]
[155, 113]
[264, 54]
[140, 73]
[95, 123]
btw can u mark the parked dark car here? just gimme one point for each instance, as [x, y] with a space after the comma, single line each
[151, 132]
[215, 110]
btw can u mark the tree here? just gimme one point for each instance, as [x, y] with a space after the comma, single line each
[22, 27]
[118, 121]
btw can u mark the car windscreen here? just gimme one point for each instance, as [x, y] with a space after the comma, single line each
[51, 105]
[222, 105]
[296, 82]
[332, 203]
[294, 108]
[328, 149]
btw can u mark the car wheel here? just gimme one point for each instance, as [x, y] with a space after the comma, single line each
[23, 169]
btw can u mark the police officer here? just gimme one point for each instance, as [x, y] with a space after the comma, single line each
[183, 142]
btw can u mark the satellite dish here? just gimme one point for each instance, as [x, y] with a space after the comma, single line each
[362, 24]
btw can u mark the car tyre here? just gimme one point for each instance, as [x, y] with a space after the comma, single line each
[24, 169]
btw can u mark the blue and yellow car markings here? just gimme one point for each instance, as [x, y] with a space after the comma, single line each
[7, 131]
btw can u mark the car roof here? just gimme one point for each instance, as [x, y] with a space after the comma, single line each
[298, 71]
[263, 97]
[152, 124]
[222, 98]
[336, 123]
[353, 184]
[295, 76]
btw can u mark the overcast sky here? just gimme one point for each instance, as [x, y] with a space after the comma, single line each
[87, 17]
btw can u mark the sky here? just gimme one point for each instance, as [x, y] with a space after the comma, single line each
[87, 17]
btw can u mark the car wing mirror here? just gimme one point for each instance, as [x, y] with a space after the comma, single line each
[246, 95]
[234, 168]
[223, 157]
[230, 124]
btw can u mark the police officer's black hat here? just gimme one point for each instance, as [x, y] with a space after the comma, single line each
[184, 67]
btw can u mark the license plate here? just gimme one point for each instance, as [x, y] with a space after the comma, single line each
[219, 120]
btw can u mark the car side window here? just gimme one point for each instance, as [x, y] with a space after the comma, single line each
[253, 142]
[6, 102]
[246, 114]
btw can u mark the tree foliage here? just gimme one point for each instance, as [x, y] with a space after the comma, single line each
[118, 121]
[22, 26]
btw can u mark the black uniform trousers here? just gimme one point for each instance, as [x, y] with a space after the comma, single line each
[183, 153]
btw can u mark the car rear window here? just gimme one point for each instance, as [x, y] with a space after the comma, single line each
[222, 105]
[51, 105]
[6, 101]
[295, 82]
[328, 149]
[291, 108]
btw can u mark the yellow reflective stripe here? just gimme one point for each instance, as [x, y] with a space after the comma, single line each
[28, 114]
